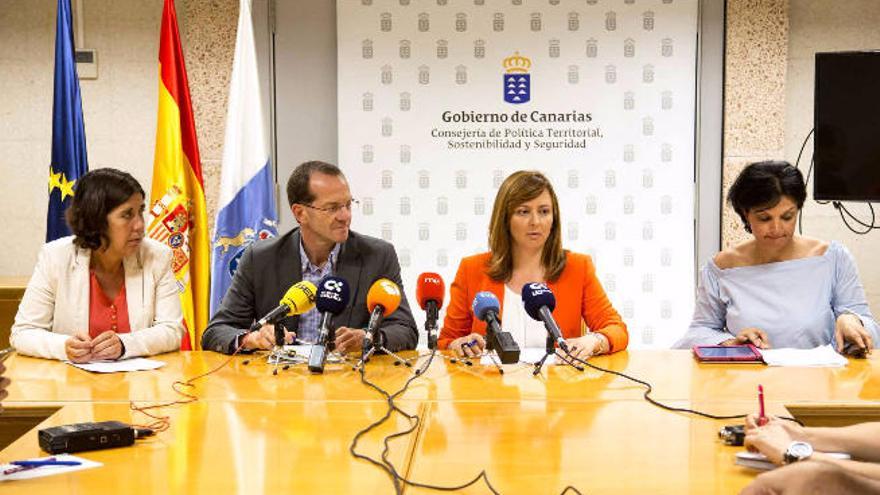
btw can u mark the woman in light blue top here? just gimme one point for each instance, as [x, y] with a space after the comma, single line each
[779, 288]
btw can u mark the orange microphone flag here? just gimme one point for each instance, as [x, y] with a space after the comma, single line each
[177, 215]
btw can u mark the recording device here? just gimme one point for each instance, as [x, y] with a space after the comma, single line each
[298, 299]
[539, 302]
[333, 294]
[732, 435]
[81, 437]
[486, 308]
[383, 298]
[430, 290]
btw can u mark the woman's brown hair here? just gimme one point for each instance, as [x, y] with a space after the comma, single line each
[97, 193]
[518, 188]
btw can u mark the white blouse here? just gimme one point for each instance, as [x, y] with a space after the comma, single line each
[528, 333]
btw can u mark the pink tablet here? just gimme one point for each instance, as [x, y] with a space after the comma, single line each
[725, 354]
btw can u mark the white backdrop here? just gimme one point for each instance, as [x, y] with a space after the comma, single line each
[426, 136]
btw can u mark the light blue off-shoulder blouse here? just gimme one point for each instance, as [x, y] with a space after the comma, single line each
[795, 302]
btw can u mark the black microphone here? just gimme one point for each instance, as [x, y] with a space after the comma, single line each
[539, 302]
[298, 299]
[332, 299]
[430, 290]
[486, 308]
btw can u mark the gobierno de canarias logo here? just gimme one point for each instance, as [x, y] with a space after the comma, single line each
[517, 80]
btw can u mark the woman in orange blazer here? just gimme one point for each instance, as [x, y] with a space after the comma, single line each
[526, 246]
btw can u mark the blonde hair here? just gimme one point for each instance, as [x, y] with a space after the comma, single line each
[522, 186]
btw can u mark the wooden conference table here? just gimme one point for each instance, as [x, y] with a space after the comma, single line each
[252, 432]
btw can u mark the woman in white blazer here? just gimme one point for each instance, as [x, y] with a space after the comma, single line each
[106, 292]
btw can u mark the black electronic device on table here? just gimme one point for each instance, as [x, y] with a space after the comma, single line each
[81, 437]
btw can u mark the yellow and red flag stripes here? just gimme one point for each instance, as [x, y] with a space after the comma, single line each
[177, 215]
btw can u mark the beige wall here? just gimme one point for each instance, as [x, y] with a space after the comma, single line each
[817, 26]
[769, 101]
[754, 93]
[119, 107]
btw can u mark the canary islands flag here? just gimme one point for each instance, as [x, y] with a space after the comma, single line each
[246, 211]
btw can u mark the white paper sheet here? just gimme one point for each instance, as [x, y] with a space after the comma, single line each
[41, 471]
[822, 356]
[136, 364]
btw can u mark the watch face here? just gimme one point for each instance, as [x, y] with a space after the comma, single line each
[800, 450]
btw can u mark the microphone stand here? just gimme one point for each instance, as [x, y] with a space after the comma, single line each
[433, 314]
[373, 342]
[490, 349]
[550, 350]
[278, 350]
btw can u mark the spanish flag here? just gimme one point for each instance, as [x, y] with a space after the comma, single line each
[177, 213]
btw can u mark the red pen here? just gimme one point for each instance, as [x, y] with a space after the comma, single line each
[762, 418]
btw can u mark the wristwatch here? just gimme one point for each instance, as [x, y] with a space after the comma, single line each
[797, 451]
[604, 344]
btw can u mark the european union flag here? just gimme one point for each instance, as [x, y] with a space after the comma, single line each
[69, 160]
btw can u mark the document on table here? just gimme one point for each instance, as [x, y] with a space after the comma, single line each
[530, 355]
[299, 354]
[10, 472]
[301, 349]
[136, 364]
[822, 356]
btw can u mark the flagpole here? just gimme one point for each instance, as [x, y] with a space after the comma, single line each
[273, 121]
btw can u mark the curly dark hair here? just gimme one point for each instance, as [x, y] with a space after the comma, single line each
[763, 184]
[96, 194]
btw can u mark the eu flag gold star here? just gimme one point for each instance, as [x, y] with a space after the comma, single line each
[54, 180]
[66, 187]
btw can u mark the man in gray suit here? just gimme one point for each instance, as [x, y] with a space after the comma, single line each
[322, 245]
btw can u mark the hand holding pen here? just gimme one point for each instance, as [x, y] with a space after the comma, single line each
[469, 346]
[762, 417]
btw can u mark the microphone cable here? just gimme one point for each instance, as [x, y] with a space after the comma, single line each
[386, 465]
[650, 388]
[160, 422]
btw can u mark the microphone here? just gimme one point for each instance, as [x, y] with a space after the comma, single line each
[540, 302]
[332, 299]
[486, 307]
[430, 290]
[298, 299]
[383, 299]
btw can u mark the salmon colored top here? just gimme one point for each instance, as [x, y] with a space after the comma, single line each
[105, 314]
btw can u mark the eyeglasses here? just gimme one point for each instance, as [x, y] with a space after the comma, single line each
[334, 208]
